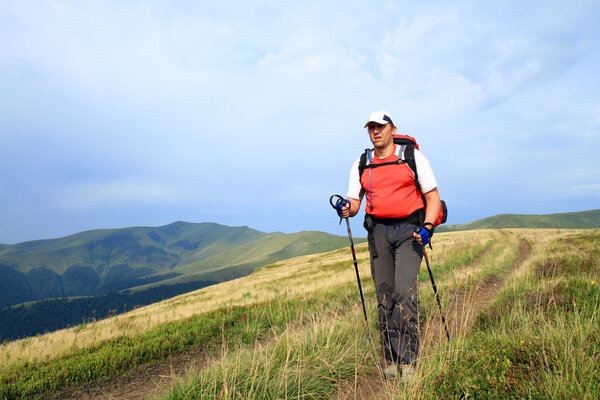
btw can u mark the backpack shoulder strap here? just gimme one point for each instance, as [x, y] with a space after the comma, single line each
[409, 158]
[365, 161]
[362, 164]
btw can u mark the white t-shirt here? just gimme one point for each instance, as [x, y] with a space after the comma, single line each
[426, 178]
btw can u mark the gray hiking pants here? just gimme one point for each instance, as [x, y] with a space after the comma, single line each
[395, 269]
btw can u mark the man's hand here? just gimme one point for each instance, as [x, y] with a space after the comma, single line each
[341, 206]
[423, 234]
[346, 210]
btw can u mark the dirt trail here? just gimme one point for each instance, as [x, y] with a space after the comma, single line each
[143, 382]
[154, 380]
[467, 304]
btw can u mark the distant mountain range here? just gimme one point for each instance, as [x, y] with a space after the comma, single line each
[103, 261]
[571, 220]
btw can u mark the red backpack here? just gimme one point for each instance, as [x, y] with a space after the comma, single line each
[408, 144]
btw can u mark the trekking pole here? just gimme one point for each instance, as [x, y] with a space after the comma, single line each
[436, 292]
[341, 201]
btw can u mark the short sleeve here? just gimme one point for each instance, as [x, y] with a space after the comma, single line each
[355, 189]
[426, 177]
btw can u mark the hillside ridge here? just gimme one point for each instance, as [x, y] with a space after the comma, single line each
[569, 220]
[101, 261]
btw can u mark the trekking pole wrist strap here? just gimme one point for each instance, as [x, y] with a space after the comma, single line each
[428, 224]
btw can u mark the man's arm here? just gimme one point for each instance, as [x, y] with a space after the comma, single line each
[432, 210]
[355, 192]
[434, 204]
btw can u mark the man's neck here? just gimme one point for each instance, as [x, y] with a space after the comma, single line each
[385, 151]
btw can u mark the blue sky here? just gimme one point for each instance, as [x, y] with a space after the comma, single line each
[141, 113]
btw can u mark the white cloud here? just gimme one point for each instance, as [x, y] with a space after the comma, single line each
[122, 192]
[586, 190]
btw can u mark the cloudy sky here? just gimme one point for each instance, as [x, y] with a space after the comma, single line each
[123, 113]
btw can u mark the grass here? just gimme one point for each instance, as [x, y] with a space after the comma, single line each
[228, 326]
[540, 339]
[296, 330]
[308, 364]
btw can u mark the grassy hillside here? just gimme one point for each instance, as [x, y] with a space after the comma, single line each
[102, 261]
[572, 220]
[163, 247]
[269, 248]
[522, 315]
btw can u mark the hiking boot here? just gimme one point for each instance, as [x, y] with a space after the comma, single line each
[391, 371]
[408, 373]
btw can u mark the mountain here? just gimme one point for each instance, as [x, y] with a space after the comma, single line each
[572, 220]
[102, 261]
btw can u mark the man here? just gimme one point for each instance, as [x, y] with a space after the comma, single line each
[399, 223]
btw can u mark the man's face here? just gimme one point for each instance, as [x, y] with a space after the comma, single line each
[381, 135]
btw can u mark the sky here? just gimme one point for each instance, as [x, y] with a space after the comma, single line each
[142, 113]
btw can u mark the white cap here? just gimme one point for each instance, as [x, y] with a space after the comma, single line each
[381, 117]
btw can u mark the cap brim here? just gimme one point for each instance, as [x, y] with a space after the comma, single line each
[378, 122]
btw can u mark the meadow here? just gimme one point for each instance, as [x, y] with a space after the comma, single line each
[521, 307]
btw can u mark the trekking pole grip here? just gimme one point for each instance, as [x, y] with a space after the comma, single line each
[339, 204]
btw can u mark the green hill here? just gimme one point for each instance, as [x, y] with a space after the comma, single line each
[572, 220]
[102, 261]
[162, 247]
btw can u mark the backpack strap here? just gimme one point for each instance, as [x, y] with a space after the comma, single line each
[409, 158]
[362, 164]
